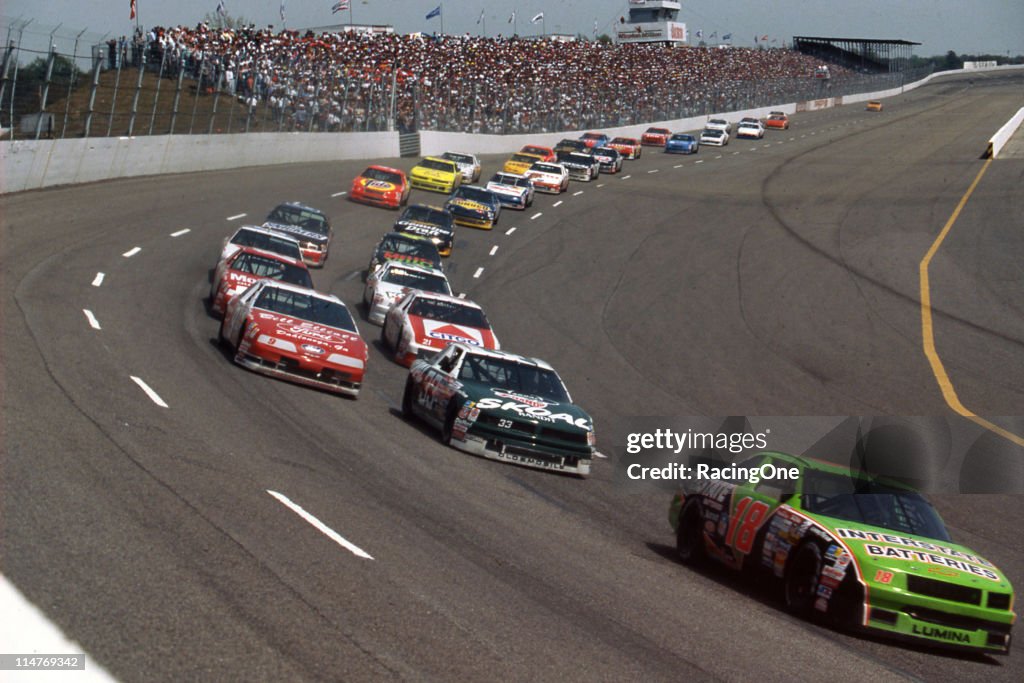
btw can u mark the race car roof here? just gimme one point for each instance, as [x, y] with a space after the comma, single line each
[493, 353]
[263, 231]
[298, 289]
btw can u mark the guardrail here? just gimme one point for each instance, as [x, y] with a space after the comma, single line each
[1003, 135]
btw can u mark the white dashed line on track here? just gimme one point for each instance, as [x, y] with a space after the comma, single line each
[351, 276]
[678, 166]
[536, 216]
[699, 161]
[478, 273]
[183, 231]
[338, 194]
[791, 139]
[236, 217]
[153, 396]
[98, 280]
[494, 250]
[579, 192]
[93, 322]
[132, 252]
[599, 454]
[320, 526]
[735, 153]
[753, 149]
[558, 203]
[510, 231]
[627, 177]
[719, 156]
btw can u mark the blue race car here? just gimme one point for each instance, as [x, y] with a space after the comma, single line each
[682, 143]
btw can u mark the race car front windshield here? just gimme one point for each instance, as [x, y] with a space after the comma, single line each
[870, 502]
[449, 312]
[408, 247]
[682, 137]
[547, 168]
[510, 374]
[438, 165]
[381, 174]
[524, 158]
[266, 267]
[534, 150]
[476, 194]
[287, 214]
[267, 242]
[458, 158]
[415, 279]
[308, 307]
[623, 141]
[712, 133]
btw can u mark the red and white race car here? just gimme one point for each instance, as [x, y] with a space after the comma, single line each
[259, 237]
[246, 266]
[422, 323]
[296, 334]
[385, 285]
[548, 177]
[629, 148]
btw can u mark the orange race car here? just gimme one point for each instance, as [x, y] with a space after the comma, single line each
[777, 119]
[545, 153]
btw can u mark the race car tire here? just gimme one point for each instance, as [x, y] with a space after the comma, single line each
[384, 336]
[407, 398]
[801, 579]
[220, 332]
[690, 535]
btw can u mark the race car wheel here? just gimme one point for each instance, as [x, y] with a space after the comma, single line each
[407, 398]
[690, 534]
[384, 335]
[801, 581]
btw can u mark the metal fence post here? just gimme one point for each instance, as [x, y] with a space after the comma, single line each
[177, 99]
[46, 92]
[71, 81]
[135, 99]
[113, 99]
[199, 90]
[156, 95]
[216, 99]
[96, 68]
[3, 72]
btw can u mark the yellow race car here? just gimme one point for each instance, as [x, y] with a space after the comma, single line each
[519, 163]
[436, 175]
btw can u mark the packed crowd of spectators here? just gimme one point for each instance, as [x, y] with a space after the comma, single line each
[354, 80]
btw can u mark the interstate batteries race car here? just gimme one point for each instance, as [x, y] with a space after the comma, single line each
[519, 162]
[501, 406]
[421, 324]
[306, 224]
[246, 266]
[296, 334]
[431, 222]
[474, 207]
[864, 551]
[380, 186]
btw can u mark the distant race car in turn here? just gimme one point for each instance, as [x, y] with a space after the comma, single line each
[655, 136]
[630, 148]
[306, 224]
[777, 119]
[261, 238]
[552, 178]
[380, 186]
[609, 159]
[715, 137]
[469, 165]
[389, 282]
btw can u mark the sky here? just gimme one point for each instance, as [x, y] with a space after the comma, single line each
[971, 27]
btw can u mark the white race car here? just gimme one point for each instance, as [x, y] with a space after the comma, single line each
[422, 323]
[389, 282]
[548, 177]
[469, 165]
[750, 129]
[718, 124]
[513, 191]
[261, 238]
[714, 137]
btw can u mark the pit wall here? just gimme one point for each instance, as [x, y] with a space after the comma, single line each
[34, 164]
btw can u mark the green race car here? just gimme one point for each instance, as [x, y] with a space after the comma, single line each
[865, 551]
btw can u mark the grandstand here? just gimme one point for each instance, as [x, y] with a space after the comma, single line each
[865, 55]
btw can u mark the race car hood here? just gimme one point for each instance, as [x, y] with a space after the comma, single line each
[501, 188]
[469, 205]
[296, 231]
[877, 550]
[424, 229]
[505, 403]
[432, 174]
[375, 185]
[437, 331]
[310, 338]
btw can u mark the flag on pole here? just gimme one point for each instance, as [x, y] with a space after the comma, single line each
[133, 10]
[481, 17]
[512, 17]
[727, 36]
[537, 18]
[755, 37]
[282, 10]
[222, 9]
[436, 12]
[714, 34]
[764, 38]
[700, 33]
[339, 6]
[595, 27]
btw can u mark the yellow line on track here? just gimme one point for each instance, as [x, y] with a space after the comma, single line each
[928, 331]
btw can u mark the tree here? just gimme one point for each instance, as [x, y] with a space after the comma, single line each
[604, 38]
[952, 61]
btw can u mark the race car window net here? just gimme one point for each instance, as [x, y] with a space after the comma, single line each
[870, 502]
[306, 307]
[449, 312]
[261, 240]
[519, 377]
[428, 282]
[261, 266]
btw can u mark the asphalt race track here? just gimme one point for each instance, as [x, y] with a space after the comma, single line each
[774, 277]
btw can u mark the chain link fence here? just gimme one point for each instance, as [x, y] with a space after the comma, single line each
[58, 83]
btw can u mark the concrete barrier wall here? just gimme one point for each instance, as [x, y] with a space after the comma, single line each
[1003, 135]
[33, 164]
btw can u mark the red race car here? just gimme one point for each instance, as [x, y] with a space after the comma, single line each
[381, 186]
[247, 265]
[422, 323]
[595, 139]
[296, 334]
[777, 119]
[655, 136]
[629, 148]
